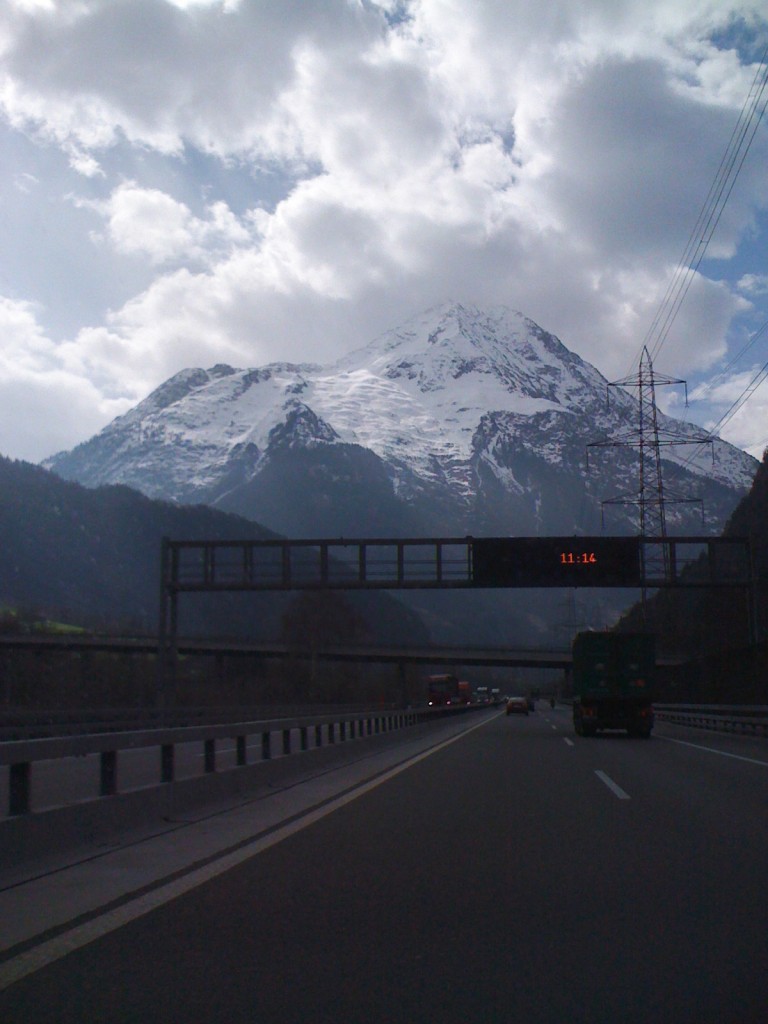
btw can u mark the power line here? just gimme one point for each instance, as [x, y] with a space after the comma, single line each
[728, 415]
[747, 393]
[706, 388]
[709, 216]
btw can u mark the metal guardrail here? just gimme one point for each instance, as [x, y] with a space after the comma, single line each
[748, 719]
[28, 724]
[21, 755]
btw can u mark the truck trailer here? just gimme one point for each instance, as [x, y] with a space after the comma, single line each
[443, 690]
[613, 682]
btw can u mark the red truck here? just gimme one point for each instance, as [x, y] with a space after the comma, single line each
[443, 690]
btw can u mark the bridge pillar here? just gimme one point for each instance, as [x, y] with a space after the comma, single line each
[167, 632]
[403, 679]
[108, 773]
[19, 788]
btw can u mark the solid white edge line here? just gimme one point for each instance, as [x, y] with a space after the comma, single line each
[46, 953]
[614, 788]
[713, 750]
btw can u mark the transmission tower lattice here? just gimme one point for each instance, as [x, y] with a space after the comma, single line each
[649, 438]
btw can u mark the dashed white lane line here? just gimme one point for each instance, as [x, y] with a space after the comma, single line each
[614, 788]
[712, 750]
[569, 742]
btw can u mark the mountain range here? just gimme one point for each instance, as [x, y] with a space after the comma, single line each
[460, 421]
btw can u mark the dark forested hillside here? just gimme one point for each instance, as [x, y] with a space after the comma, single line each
[92, 557]
[723, 632]
[750, 517]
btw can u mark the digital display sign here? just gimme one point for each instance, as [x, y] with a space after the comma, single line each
[556, 562]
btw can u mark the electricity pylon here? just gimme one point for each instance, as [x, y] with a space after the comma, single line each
[649, 438]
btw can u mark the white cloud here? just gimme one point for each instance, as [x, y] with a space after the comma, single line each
[149, 222]
[83, 163]
[43, 406]
[25, 182]
[551, 157]
[753, 284]
[748, 429]
[24, 343]
[163, 74]
[744, 424]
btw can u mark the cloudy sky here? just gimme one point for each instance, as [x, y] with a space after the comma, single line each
[186, 182]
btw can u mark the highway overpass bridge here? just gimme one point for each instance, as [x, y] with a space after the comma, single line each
[513, 657]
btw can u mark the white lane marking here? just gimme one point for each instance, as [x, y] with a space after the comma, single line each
[553, 727]
[569, 742]
[713, 750]
[617, 790]
[46, 953]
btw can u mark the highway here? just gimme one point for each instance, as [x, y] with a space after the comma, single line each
[500, 869]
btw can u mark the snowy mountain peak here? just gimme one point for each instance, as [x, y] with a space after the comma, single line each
[500, 350]
[417, 394]
[457, 402]
[172, 391]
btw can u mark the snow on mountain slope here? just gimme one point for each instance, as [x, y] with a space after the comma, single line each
[416, 395]
[450, 396]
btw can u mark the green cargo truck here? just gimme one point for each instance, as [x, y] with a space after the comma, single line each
[612, 682]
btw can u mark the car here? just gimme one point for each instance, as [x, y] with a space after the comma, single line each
[517, 706]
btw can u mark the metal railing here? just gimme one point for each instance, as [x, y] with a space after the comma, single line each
[277, 738]
[749, 719]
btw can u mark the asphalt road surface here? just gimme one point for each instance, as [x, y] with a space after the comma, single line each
[511, 872]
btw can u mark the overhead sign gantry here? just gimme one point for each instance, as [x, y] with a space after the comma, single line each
[453, 563]
[210, 566]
